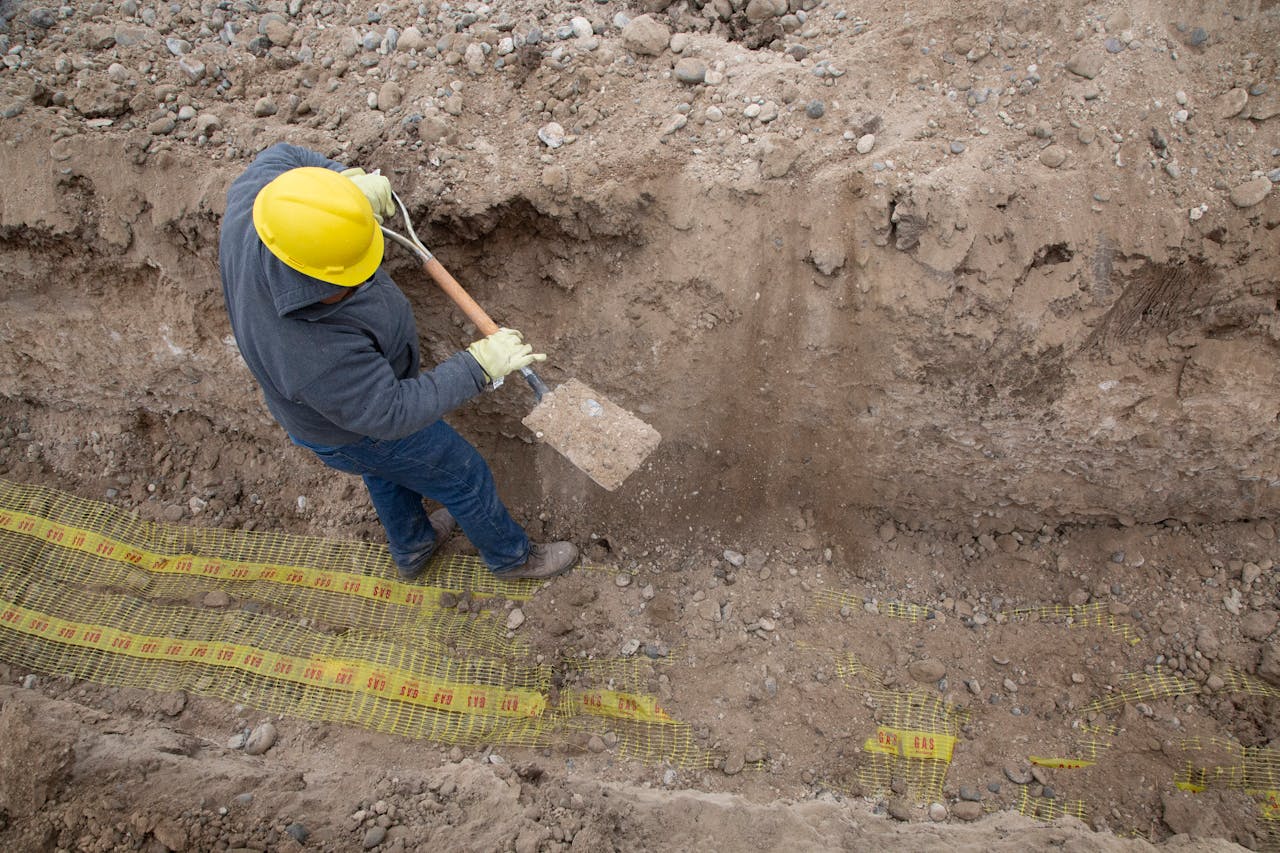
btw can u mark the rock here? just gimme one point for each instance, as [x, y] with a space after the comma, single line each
[645, 36]
[1053, 156]
[676, 122]
[937, 812]
[763, 10]
[177, 46]
[173, 513]
[411, 39]
[162, 126]
[265, 107]
[815, 109]
[260, 739]
[734, 762]
[453, 105]
[777, 154]
[172, 704]
[216, 598]
[957, 147]
[297, 832]
[551, 135]
[42, 18]
[1259, 624]
[474, 58]
[690, 71]
[35, 764]
[515, 619]
[1231, 103]
[927, 670]
[1269, 664]
[97, 99]
[899, 809]
[865, 143]
[206, 125]
[279, 33]
[375, 836]
[171, 834]
[622, 580]
[1087, 63]
[1265, 530]
[1251, 192]
[191, 68]
[596, 744]
[967, 810]
[389, 96]
[1186, 814]
[970, 794]
[581, 27]
[1017, 775]
[709, 610]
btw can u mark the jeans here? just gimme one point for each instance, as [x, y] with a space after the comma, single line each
[437, 463]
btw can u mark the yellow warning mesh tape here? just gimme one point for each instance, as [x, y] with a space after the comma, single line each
[892, 609]
[1093, 615]
[1045, 808]
[914, 739]
[368, 650]
[272, 664]
[1227, 764]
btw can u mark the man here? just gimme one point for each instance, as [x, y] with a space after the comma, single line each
[332, 342]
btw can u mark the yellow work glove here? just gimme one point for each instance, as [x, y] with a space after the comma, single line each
[502, 352]
[377, 189]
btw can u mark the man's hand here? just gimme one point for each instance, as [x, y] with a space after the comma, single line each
[377, 189]
[503, 352]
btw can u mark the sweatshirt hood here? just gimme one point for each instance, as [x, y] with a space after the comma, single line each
[291, 290]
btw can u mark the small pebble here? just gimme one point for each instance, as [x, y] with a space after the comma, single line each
[957, 147]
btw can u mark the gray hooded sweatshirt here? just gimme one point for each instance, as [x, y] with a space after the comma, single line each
[331, 374]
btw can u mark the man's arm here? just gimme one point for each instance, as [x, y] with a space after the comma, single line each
[361, 393]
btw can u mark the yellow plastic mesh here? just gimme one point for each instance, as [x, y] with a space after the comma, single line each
[1045, 808]
[837, 600]
[914, 739]
[320, 632]
[1216, 762]
[1093, 615]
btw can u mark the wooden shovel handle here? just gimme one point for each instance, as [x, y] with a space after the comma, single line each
[484, 323]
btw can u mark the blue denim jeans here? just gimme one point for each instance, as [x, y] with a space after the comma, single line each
[437, 463]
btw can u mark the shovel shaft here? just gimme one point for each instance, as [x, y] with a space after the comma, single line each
[483, 322]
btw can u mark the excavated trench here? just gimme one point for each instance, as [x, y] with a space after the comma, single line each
[804, 351]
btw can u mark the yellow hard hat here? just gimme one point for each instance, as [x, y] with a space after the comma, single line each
[320, 224]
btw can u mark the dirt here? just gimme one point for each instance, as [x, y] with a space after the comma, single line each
[971, 307]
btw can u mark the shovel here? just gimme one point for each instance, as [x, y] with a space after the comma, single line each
[602, 439]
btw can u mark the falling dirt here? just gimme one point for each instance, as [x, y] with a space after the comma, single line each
[960, 324]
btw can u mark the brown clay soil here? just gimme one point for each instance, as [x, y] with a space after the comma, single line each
[972, 306]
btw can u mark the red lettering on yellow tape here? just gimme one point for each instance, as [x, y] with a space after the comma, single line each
[907, 743]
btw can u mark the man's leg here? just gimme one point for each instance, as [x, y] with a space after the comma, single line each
[440, 464]
[410, 536]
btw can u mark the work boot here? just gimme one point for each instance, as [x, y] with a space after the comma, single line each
[545, 561]
[444, 524]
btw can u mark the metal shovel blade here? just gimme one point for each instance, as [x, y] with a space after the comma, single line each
[601, 438]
